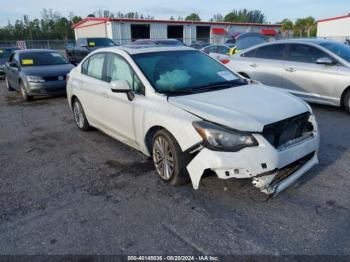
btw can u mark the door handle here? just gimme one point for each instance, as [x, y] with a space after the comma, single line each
[253, 65]
[290, 69]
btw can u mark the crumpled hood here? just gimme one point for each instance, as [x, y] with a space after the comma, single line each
[48, 70]
[245, 108]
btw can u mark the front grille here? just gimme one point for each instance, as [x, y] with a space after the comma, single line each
[52, 78]
[282, 132]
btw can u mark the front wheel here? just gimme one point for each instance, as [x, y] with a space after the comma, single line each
[346, 101]
[169, 160]
[24, 94]
[79, 116]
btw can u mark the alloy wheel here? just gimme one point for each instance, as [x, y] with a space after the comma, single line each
[78, 114]
[163, 158]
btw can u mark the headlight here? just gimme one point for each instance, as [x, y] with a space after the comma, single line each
[219, 138]
[35, 79]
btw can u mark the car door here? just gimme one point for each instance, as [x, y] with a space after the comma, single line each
[302, 75]
[90, 88]
[118, 109]
[13, 71]
[264, 64]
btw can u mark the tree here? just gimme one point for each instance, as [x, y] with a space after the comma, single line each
[172, 18]
[287, 25]
[245, 16]
[193, 17]
[217, 18]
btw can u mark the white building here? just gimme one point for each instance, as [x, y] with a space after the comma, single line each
[124, 30]
[337, 28]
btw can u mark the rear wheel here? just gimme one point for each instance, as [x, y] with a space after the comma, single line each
[346, 101]
[24, 93]
[169, 160]
[8, 86]
[79, 116]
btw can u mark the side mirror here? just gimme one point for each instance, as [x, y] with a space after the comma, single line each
[120, 86]
[325, 61]
[13, 64]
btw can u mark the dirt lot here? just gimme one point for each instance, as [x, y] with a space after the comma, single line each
[63, 191]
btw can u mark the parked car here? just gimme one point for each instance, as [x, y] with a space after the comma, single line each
[37, 72]
[84, 46]
[316, 70]
[190, 119]
[4, 55]
[164, 42]
[242, 41]
[219, 51]
[198, 44]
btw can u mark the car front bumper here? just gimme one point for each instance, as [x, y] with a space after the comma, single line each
[264, 164]
[48, 88]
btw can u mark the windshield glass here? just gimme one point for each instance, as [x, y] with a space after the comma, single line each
[341, 50]
[176, 72]
[42, 58]
[5, 52]
[100, 42]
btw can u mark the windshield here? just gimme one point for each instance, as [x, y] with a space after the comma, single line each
[339, 49]
[5, 52]
[174, 72]
[42, 58]
[92, 42]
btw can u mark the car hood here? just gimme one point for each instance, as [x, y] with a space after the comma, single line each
[47, 70]
[245, 108]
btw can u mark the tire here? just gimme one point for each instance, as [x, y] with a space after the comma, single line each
[346, 101]
[169, 160]
[24, 93]
[9, 88]
[79, 116]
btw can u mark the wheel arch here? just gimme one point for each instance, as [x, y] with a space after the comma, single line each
[346, 90]
[149, 137]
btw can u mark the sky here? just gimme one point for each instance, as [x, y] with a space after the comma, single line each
[274, 10]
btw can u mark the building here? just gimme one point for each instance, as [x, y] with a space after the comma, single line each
[123, 30]
[336, 28]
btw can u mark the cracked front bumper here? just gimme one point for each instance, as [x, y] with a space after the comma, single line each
[263, 161]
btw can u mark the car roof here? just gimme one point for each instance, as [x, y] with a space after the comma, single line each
[24, 51]
[140, 49]
[306, 40]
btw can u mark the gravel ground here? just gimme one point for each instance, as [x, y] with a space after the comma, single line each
[63, 191]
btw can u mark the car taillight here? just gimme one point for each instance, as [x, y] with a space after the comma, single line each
[225, 61]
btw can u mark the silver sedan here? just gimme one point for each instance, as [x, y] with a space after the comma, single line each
[317, 70]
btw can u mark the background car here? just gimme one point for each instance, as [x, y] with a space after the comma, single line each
[219, 51]
[164, 42]
[198, 44]
[190, 119]
[4, 55]
[242, 41]
[37, 72]
[317, 70]
[85, 46]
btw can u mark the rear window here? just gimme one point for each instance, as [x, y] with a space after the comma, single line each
[42, 58]
[270, 52]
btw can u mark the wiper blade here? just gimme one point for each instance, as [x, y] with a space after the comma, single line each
[220, 85]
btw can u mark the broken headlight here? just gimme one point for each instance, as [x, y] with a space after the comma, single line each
[220, 138]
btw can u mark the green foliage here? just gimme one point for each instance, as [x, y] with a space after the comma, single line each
[51, 26]
[245, 16]
[193, 17]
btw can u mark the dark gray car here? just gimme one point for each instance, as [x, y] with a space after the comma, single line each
[37, 72]
[5, 53]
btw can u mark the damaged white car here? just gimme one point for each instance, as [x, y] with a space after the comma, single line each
[191, 114]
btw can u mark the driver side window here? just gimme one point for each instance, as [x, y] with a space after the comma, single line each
[119, 69]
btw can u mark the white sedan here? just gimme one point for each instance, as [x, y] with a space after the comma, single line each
[192, 114]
